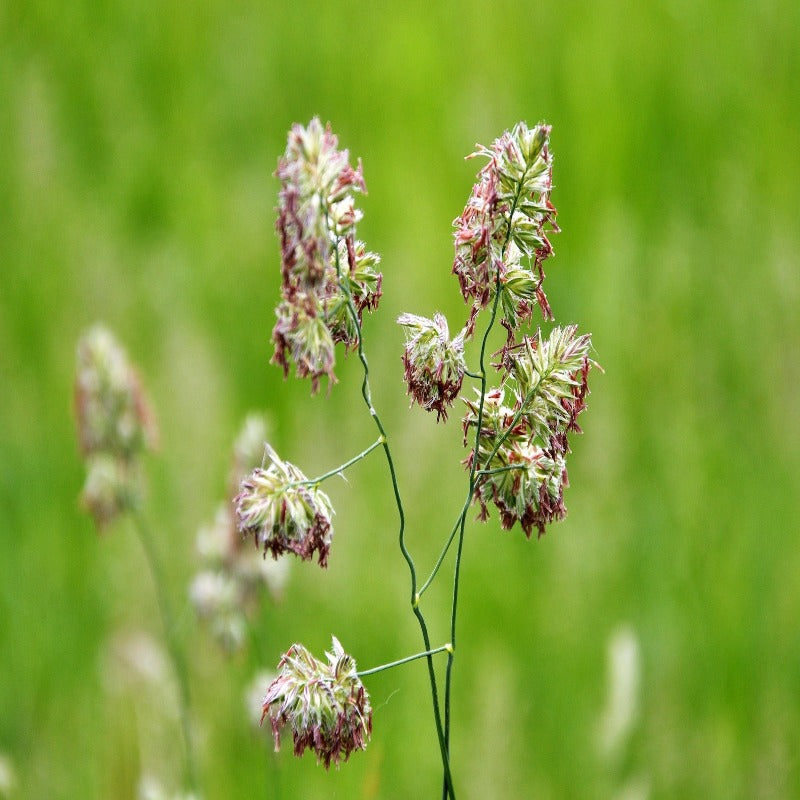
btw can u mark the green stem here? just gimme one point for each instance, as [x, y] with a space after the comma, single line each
[510, 427]
[405, 660]
[472, 478]
[496, 470]
[255, 641]
[315, 481]
[175, 651]
[456, 527]
[366, 393]
[461, 523]
[440, 559]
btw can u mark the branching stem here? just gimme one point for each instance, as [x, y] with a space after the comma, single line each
[472, 479]
[441, 558]
[498, 470]
[366, 393]
[460, 525]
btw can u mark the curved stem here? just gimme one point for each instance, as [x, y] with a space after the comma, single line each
[405, 660]
[175, 651]
[366, 393]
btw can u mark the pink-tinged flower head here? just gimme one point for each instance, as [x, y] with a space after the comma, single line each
[434, 365]
[364, 282]
[501, 235]
[315, 201]
[301, 336]
[364, 286]
[522, 447]
[233, 576]
[114, 424]
[548, 377]
[284, 512]
[326, 706]
[111, 488]
[323, 265]
[113, 416]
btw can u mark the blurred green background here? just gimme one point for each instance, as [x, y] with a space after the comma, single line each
[138, 145]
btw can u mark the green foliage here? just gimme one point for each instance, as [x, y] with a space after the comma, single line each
[139, 141]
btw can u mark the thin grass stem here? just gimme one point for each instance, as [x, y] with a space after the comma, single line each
[366, 393]
[405, 660]
[316, 481]
[175, 651]
[498, 470]
[439, 560]
[471, 483]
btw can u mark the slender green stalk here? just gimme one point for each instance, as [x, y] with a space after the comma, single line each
[471, 483]
[315, 481]
[366, 393]
[497, 470]
[457, 526]
[462, 520]
[439, 560]
[405, 660]
[175, 651]
[498, 444]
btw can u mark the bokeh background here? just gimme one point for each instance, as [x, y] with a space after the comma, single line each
[138, 145]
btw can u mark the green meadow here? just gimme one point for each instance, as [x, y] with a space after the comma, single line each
[138, 142]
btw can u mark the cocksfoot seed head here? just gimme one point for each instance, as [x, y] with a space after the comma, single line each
[112, 414]
[114, 423]
[233, 576]
[326, 706]
[111, 488]
[522, 447]
[328, 276]
[434, 365]
[283, 512]
[501, 236]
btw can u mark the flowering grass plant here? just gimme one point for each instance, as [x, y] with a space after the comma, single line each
[517, 418]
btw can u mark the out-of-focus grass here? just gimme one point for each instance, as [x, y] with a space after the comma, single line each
[135, 187]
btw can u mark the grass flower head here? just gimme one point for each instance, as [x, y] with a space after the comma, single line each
[501, 236]
[112, 413]
[326, 706]
[434, 364]
[114, 424]
[283, 512]
[324, 268]
[522, 447]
